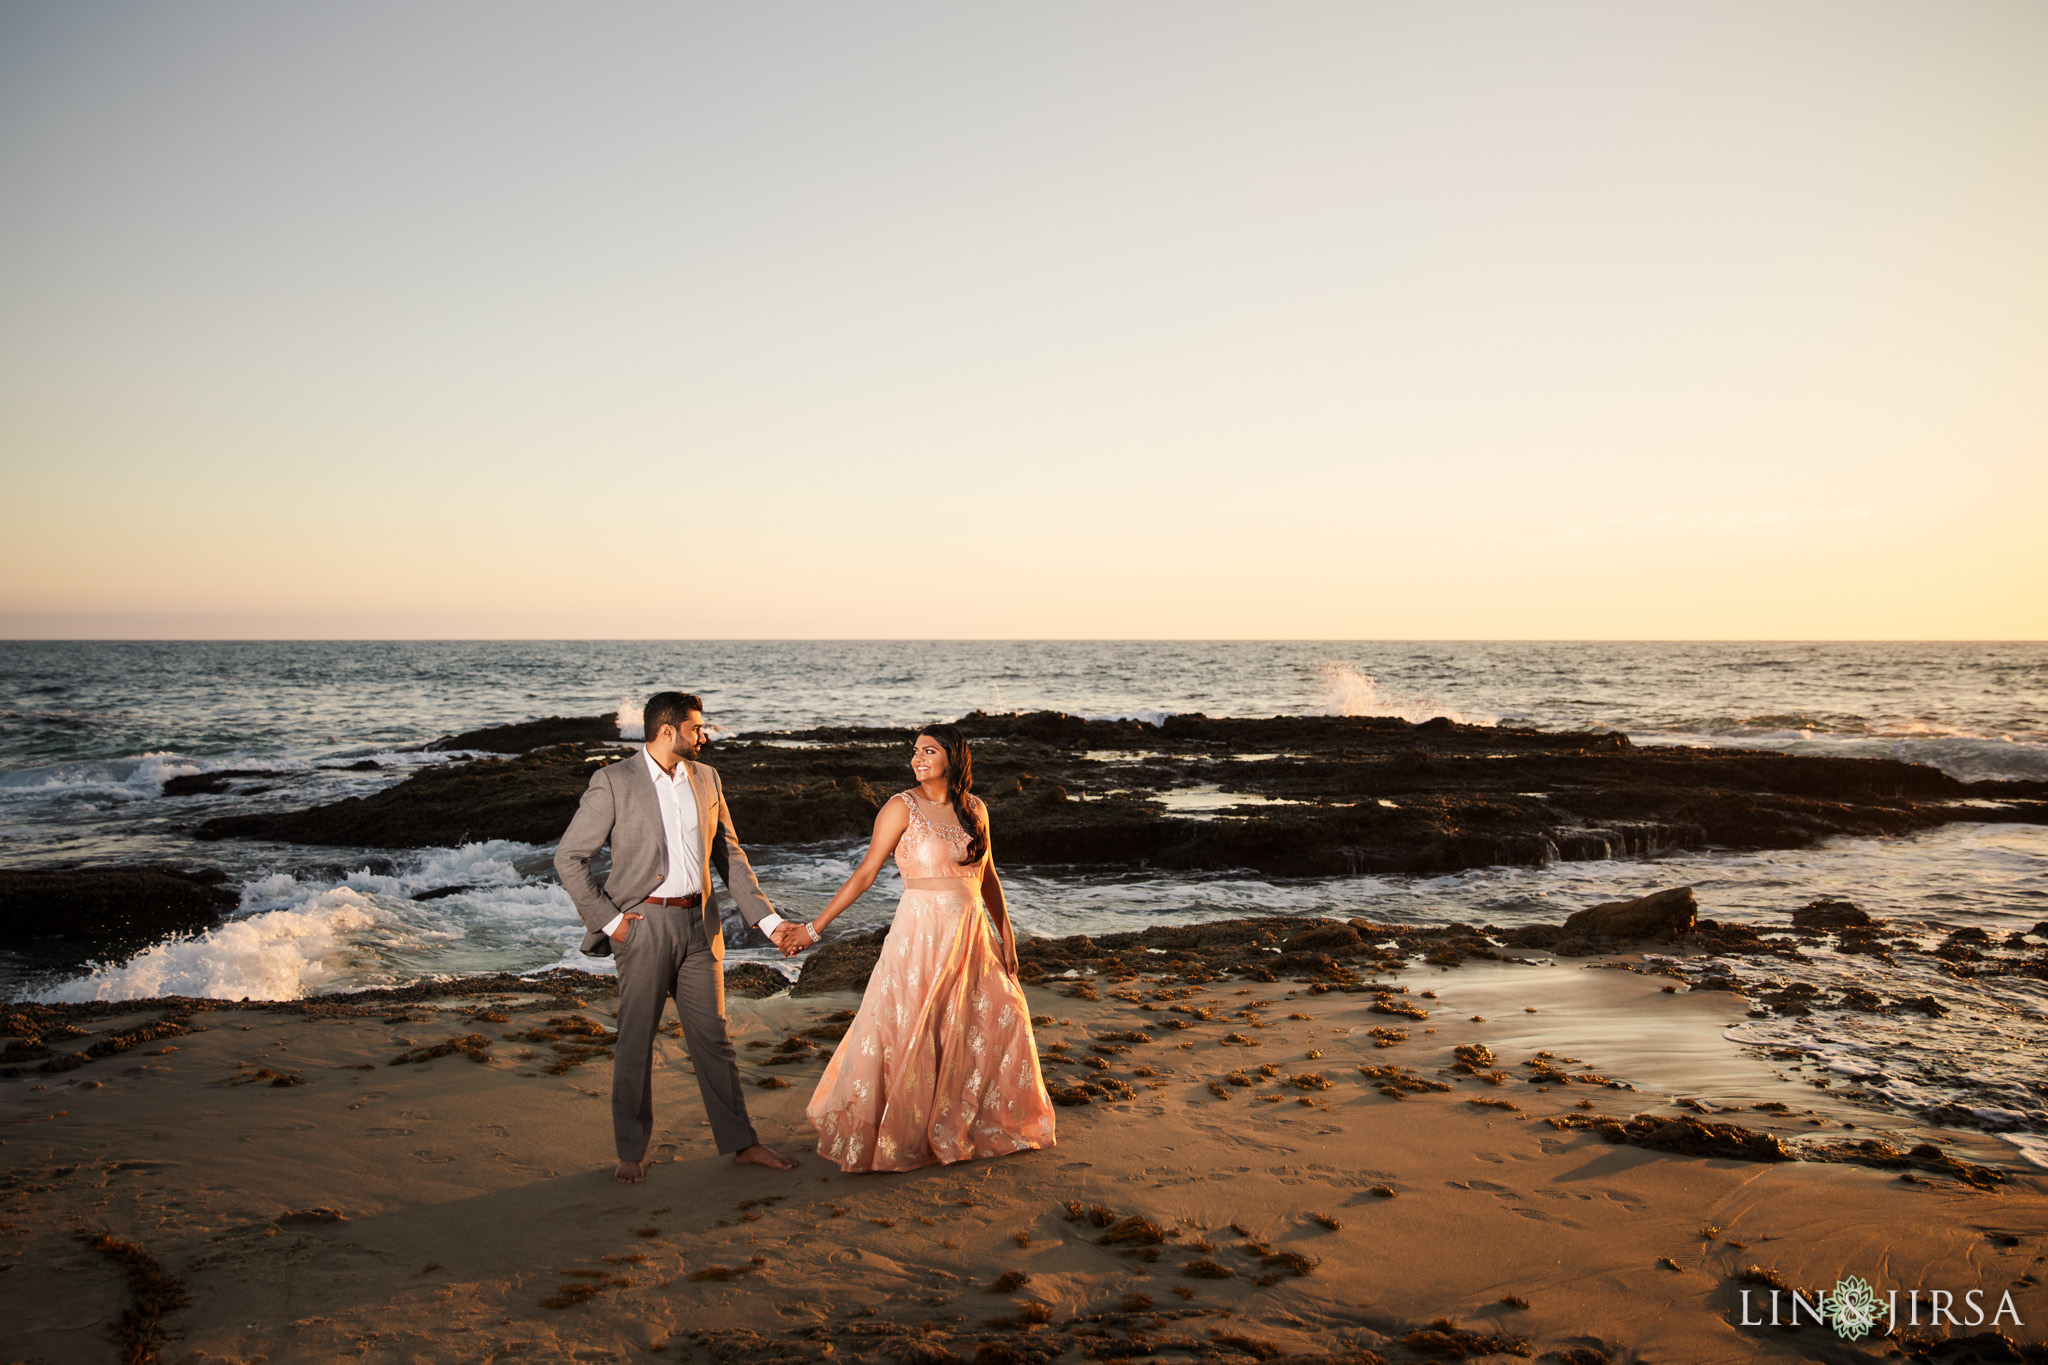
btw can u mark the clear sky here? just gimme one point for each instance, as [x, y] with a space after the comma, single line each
[1351, 320]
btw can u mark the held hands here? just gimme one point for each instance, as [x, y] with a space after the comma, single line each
[793, 938]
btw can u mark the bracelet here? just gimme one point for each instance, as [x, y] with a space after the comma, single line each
[816, 937]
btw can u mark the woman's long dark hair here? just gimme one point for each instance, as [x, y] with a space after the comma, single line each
[959, 782]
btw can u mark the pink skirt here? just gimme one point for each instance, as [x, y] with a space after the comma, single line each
[939, 1064]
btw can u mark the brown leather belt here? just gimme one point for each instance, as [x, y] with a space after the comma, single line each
[689, 902]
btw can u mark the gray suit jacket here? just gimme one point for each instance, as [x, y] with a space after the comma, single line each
[620, 807]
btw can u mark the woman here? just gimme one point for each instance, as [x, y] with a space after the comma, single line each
[939, 1065]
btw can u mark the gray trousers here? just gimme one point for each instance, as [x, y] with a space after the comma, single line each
[664, 955]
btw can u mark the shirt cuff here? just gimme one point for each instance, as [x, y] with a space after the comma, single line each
[770, 922]
[611, 926]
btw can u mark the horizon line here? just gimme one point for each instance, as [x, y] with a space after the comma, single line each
[1029, 639]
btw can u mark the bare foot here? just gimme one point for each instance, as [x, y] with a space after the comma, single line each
[760, 1154]
[630, 1172]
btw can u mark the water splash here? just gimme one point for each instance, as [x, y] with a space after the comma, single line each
[1349, 692]
[276, 955]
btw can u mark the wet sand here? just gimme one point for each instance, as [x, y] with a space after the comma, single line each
[460, 1207]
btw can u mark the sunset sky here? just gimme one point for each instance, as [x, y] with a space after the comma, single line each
[1350, 320]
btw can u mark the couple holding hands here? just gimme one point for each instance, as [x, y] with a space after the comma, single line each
[939, 1064]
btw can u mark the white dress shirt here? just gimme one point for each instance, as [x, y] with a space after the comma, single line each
[685, 843]
[679, 822]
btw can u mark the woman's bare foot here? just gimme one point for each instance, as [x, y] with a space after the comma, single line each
[760, 1154]
[630, 1172]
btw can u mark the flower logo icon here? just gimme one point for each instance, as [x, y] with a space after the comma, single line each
[1852, 1308]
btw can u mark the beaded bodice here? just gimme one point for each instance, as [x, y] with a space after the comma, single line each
[929, 849]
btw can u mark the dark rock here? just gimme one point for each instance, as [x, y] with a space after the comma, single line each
[754, 980]
[840, 965]
[1795, 1001]
[1064, 952]
[1193, 952]
[106, 913]
[1884, 1156]
[1315, 964]
[209, 784]
[1718, 936]
[301, 1216]
[1327, 938]
[1666, 914]
[532, 734]
[1830, 914]
[1978, 1348]
[1864, 942]
[1533, 936]
[1691, 1137]
[839, 808]
[195, 784]
[1357, 795]
[529, 798]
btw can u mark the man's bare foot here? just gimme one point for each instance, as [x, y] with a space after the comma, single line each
[630, 1172]
[760, 1154]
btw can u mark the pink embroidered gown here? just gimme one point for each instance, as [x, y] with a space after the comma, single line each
[939, 1064]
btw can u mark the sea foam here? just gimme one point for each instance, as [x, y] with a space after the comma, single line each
[1349, 692]
[294, 937]
[119, 779]
[277, 955]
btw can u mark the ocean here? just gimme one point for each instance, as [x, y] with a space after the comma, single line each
[90, 731]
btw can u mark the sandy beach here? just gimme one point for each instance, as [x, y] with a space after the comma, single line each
[1450, 601]
[307, 1181]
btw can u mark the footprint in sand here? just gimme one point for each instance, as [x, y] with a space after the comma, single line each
[494, 1129]
[432, 1158]
[389, 1132]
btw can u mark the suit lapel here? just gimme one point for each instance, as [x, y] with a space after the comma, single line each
[701, 790]
[700, 783]
[641, 786]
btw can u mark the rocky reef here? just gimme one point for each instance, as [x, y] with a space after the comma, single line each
[1290, 796]
[63, 916]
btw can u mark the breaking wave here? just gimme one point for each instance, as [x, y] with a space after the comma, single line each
[291, 938]
[1349, 692]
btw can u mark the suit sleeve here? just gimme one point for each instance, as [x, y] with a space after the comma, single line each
[586, 834]
[733, 868]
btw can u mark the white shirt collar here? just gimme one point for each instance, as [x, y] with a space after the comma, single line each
[654, 769]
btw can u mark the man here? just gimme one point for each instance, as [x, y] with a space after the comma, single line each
[666, 821]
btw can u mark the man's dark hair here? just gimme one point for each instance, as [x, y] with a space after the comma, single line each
[667, 708]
